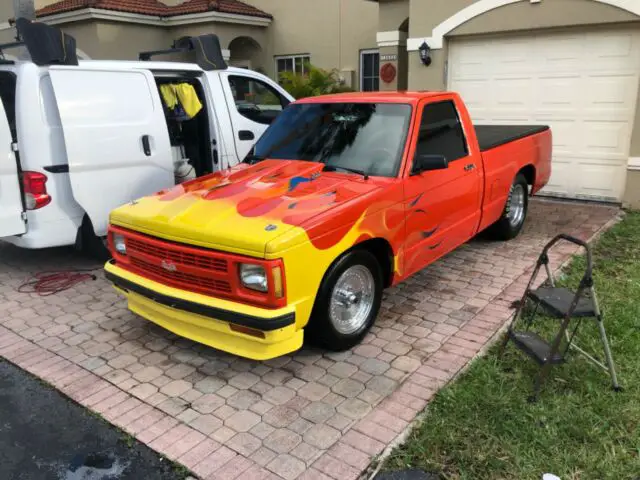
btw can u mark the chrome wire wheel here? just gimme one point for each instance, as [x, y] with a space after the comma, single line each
[516, 205]
[352, 299]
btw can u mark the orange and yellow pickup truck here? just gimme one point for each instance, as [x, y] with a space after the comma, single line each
[342, 196]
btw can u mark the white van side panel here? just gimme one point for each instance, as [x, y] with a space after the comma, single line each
[116, 137]
[11, 208]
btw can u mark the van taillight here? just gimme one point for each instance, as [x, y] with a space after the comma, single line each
[35, 190]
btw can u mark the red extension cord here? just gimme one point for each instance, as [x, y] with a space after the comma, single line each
[50, 283]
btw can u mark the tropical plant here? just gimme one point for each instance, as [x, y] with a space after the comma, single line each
[315, 81]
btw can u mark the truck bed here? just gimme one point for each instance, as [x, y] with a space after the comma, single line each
[491, 136]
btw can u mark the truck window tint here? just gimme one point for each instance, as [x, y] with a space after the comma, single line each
[441, 132]
[363, 136]
[256, 100]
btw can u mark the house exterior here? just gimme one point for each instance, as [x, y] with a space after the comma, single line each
[572, 64]
[266, 35]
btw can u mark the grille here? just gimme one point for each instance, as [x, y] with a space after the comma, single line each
[204, 285]
[177, 256]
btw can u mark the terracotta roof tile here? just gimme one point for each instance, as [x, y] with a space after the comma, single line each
[155, 7]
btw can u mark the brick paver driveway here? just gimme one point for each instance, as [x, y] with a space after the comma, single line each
[305, 415]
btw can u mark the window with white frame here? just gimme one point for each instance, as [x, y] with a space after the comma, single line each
[292, 63]
[369, 70]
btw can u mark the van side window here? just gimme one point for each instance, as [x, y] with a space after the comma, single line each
[441, 132]
[256, 100]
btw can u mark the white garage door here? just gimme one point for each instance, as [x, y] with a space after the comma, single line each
[583, 84]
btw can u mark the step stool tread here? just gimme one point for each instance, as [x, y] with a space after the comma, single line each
[557, 301]
[535, 346]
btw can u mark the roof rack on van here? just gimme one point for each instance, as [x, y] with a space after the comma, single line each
[207, 48]
[46, 45]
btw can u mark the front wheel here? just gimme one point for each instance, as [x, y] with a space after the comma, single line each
[515, 211]
[347, 303]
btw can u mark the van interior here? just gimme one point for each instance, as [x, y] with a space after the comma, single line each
[189, 135]
[8, 97]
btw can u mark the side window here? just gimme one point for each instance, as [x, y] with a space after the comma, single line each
[441, 132]
[256, 100]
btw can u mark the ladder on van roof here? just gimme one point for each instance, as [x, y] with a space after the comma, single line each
[206, 47]
[569, 308]
[46, 45]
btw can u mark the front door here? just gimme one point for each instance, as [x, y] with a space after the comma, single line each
[256, 104]
[442, 206]
[116, 137]
[11, 206]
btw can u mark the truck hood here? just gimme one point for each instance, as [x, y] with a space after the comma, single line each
[253, 210]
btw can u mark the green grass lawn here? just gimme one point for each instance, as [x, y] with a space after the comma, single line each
[482, 427]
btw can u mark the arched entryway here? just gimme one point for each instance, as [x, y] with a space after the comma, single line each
[245, 52]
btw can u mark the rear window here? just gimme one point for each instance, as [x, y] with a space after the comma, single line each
[441, 132]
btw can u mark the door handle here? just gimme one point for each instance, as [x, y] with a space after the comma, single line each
[246, 135]
[469, 167]
[146, 145]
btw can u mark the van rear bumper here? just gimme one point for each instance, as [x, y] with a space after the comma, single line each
[251, 332]
[40, 234]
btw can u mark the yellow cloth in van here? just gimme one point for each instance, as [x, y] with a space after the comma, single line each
[185, 94]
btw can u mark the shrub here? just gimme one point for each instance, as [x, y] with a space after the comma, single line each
[316, 81]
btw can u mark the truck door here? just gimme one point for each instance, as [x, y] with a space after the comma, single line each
[442, 206]
[254, 103]
[11, 206]
[116, 137]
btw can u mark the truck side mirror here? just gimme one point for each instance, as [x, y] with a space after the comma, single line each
[426, 162]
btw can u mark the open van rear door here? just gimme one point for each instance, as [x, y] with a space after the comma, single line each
[116, 137]
[12, 220]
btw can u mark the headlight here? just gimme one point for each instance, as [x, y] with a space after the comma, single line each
[253, 277]
[119, 244]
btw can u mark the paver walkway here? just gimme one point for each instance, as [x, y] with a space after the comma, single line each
[306, 415]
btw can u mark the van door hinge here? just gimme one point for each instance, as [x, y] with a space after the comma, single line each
[14, 147]
[23, 215]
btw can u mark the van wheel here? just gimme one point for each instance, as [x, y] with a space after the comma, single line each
[515, 211]
[347, 303]
[92, 245]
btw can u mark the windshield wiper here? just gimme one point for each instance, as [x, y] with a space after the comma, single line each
[333, 168]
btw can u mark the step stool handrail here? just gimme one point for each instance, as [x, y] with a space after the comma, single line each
[544, 256]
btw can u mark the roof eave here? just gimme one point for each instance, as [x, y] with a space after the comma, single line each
[85, 13]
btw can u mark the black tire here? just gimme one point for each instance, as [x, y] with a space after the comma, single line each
[321, 331]
[505, 228]
[92, 245]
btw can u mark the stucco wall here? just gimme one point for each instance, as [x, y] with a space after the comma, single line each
[632, 193]
[391, 14]
[332, 31]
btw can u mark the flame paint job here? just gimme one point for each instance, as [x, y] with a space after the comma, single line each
[294, 211]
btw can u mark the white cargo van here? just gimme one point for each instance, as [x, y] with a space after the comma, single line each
[78, 139]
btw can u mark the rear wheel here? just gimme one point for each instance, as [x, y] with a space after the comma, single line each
[92, 245]
[347, 303]
[515, 211]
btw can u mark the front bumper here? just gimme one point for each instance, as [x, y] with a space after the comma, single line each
[209, 320]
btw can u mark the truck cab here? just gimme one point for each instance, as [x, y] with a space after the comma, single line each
[343, 196]
[81, 138]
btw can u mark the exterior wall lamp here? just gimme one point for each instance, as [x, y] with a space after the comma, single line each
[425, 54]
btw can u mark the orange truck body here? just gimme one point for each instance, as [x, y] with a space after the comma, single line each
[295, 219]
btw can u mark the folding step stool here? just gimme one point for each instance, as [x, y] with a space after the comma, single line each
[564, 305]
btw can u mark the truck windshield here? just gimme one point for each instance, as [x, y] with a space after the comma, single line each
[366, 137]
